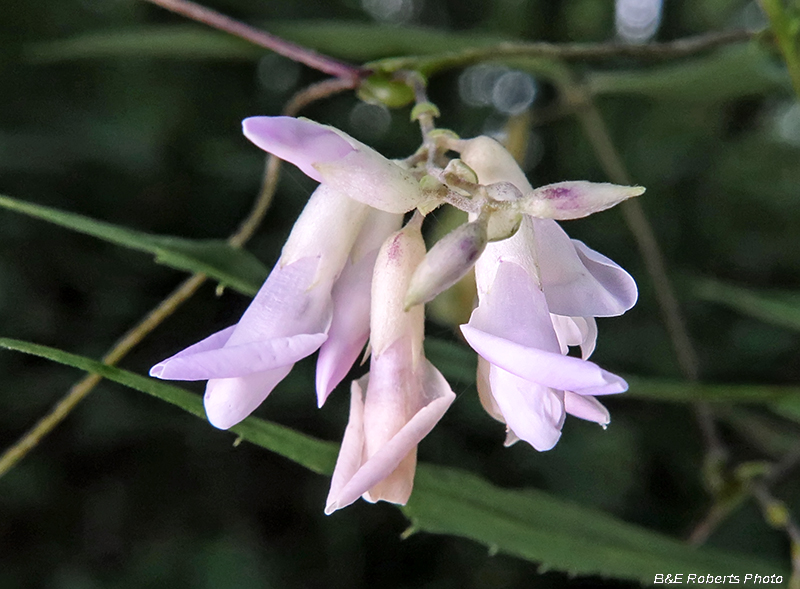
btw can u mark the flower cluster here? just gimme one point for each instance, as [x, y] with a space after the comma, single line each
[351, 272]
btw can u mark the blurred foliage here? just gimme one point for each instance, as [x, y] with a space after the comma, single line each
[129, 492]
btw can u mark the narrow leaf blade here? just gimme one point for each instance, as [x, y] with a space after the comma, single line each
[561, 535]
[781, 309]
[231, 266]
[309, 452]
[529, 524]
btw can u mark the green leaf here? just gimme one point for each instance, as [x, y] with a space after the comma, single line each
[783, 400]
[166, 42]
[561, 535]
[779, 308]
[231, 266]
[309, 452]
[455, 361]
[529, 524]
[656, 389]
[366, 41]
[348, 40]
[731, 72]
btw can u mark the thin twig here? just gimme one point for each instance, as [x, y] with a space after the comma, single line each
[298, 53]
[777, 515]
[315, 92]
[83, 387]
[716, 453]
[571, 51]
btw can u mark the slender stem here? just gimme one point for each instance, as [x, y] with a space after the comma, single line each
[600, 138]
[83, 387]
[777, 514]
[315, 92]
[716, 453]
[568, 51]
[715, 516]
[312, 59]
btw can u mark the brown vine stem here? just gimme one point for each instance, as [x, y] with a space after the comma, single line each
[293, 51]
[188, 287]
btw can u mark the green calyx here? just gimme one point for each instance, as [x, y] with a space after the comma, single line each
[381, 89]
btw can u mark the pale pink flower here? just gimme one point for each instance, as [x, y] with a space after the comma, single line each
[539, 293]
[403, 396]
[316, 294]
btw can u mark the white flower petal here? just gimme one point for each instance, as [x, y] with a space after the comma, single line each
[586, 407]
[533, 412]
[550, 369]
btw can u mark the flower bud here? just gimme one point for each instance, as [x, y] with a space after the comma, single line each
[447, 262]
[573, 200]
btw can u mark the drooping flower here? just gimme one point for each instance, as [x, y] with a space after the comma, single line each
[317, 291]
[402, 397]
[538, 293]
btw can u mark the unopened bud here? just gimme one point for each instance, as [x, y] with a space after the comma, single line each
[573, 200]
[447, 262]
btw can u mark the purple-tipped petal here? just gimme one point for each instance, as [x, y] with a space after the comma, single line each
[586, 407]
[229, 400]
[212, 342]
[550, 369]
[575, 199]
[298, 141]
[533, 412]
[242, 360]
[577, 281]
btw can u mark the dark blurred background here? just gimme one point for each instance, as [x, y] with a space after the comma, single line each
[130, 492]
